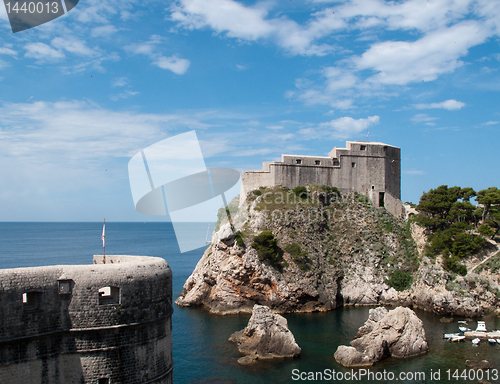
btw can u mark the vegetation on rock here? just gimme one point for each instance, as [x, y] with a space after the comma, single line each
[267, 248]
[400, 280]
[300, 258]
[452, 221]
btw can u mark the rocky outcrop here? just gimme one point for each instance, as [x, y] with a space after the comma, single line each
[399, 333]
[343, 260]
[346, 252]
[265, 337]
[478, 364]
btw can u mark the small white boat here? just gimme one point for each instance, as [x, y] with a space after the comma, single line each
[450, 335]
[476, 341]
[492, 341]
[498, 341]
[457, 338]
[481, 326]
[462, 322]
[464, 329]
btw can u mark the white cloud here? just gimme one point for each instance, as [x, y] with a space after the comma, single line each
[437, 53]
[253, 24]
[73, 45]
[423, 118]
[149, 48]
[431, 40]
[450, 105]
[123, 95]
[119, 82]
[7, 51]
[173, 63]
[491, 123]
[346, 127]
[80, 130]
[241, 67]
[103, 31]
[42, 52]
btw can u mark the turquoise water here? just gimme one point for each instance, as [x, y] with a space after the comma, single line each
[201, 351]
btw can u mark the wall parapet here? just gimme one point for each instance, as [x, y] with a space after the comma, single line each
[108, 320]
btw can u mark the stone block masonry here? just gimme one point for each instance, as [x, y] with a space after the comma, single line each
[372, 169]
[105, 323]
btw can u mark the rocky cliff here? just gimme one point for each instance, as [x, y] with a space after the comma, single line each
[314, 250]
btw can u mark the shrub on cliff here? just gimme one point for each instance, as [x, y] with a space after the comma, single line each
[267, 248]
[400, 280]
[238, 236]
[300, 258]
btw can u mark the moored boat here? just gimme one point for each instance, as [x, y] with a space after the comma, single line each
[457, 338]
[464, 329]
[450, 335]
[476, 341]
[492, 341]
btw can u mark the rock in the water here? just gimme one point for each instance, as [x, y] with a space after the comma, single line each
[398, 333]
[478, 364]
[265, 337]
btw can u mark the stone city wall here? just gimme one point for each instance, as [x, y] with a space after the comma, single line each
[101, 323]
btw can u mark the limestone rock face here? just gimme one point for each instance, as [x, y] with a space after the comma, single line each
[345, 254]
[265, 337]
[399, 333]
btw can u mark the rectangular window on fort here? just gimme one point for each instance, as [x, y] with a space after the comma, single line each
[298, 161]
[353, 165]
[336, 162]
[31, 299]
[109, 295]
[362, 147]
[317, 162]
[103, 380]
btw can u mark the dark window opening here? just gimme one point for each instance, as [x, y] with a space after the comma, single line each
[381, 202]
[336, 162]
[373, 187]
[362, 147]
[103, 380]
[109, 295]
[298, 161]
[353, 165]
[317, 162]
[31, 299]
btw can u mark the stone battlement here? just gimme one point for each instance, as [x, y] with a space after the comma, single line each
[107, 322]
[373, 169]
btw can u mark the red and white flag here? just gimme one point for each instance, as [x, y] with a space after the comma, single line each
[103, 231]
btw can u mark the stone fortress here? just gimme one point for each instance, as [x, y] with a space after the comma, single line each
[372, 169]
[105, 323]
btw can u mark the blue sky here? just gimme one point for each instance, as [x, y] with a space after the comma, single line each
[80, 95]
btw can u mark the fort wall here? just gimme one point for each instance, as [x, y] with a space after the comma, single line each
[109, 322]
[373, 169]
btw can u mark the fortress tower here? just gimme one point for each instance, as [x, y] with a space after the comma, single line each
[101, 324]
[373, 169]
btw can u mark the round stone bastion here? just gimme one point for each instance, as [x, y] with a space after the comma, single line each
[105, 323]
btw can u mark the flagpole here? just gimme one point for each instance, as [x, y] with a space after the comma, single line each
[103, 242]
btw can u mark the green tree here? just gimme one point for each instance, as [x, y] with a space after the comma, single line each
[488, 198]
[440, 207]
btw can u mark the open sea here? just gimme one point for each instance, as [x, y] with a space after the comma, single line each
[201, 351]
